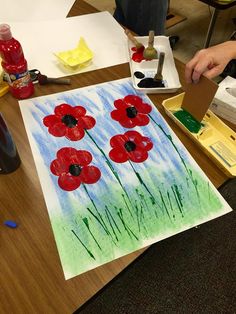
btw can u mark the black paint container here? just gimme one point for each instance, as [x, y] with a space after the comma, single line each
[9, 158]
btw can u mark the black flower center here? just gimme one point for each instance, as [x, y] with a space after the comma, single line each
[75, 170]
[131, 112]
[130, 146]
[69, 121]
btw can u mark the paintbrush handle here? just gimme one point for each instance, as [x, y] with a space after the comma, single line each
[58, 80]
[43, 80]
[132, 38]
[160, 65]
[151, 39]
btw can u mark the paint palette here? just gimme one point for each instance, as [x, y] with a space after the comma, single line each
[143, 71]
[214, 137]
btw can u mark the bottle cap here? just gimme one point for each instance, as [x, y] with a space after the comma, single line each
[5, 32]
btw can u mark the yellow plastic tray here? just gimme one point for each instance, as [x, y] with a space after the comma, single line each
[215, 138]
[76, 58]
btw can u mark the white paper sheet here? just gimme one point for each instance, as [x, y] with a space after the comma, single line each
[103, 35]
[28, 10]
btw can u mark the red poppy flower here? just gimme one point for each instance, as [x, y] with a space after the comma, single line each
[72, 167]
[131, 111]
[69, 121]
[130, 146]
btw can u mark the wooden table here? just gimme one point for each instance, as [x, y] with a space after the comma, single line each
[31, 277]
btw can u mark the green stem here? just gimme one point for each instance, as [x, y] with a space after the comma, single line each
[178, 195]
[168, 195]
[177, 201]
[176, 149]
[101, 221]
[137, 214]
[112, 228]
[143, 183]
[87, 225]
[100, 216]
[208, 190]
[94, 216]
[112, 218]
[164, 204]
[140, 216]
[89, 252]
[127, 228]
[111, 168]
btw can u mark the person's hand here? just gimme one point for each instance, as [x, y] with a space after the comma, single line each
[210, 62]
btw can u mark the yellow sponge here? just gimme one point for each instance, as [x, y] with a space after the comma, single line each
[78, 57]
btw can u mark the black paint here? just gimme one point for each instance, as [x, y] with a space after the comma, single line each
[139, 74]
[75, 170]
[149, 82]
[69, 121]
[130, 146]
[131, 112]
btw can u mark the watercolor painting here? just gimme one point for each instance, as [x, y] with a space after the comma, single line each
[114, 176]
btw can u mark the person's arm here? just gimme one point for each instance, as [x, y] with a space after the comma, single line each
[210, 62]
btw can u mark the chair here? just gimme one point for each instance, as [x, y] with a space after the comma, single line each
[217, 6]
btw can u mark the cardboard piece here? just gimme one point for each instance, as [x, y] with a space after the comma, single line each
[198, 97]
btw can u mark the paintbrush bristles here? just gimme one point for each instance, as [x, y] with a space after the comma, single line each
[150, 52]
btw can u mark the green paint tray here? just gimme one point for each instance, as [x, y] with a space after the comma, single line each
[215, 138]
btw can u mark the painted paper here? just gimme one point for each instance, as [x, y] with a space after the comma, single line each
[114, 176]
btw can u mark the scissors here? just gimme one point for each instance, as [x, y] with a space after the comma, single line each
[34, 73]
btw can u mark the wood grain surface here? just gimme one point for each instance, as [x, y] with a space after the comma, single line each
[31, 276]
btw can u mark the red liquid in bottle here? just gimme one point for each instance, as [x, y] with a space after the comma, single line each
[14, 64]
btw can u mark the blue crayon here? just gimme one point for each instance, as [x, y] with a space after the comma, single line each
[10, 224]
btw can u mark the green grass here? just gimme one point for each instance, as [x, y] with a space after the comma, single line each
[98, 233]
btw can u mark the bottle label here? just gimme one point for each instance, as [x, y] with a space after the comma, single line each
[18, 80]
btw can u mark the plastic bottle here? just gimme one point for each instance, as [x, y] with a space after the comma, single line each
[9, 157]
[14, 64]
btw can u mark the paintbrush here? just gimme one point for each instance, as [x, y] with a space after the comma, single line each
[150, 52]
[158, 76]
[139, 46]
[43, 80]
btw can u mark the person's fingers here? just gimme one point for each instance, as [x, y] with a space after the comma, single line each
[188, 75]
[201, 67]
[213, 72]
[189, 70]
[196, 76]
